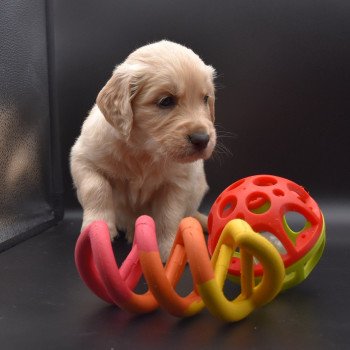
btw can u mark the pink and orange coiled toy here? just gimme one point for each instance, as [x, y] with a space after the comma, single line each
[257, 203]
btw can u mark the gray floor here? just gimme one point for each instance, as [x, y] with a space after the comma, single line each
[44, 304]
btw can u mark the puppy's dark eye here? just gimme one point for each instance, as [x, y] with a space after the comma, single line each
[167, 102]
[206, 98]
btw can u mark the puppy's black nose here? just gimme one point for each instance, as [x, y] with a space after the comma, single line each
[199, 140]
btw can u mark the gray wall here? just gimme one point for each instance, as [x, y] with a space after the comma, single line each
[283, 85]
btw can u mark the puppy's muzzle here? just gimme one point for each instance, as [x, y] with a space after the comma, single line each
[199, 140]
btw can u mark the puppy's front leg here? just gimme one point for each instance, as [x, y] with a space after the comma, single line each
[95, 195]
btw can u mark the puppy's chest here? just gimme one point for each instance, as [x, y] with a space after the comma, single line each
[137, 190]
[141, 191]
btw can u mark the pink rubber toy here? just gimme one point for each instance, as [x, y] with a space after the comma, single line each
[97, 267]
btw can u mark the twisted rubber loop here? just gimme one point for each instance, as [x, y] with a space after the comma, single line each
[96, 264]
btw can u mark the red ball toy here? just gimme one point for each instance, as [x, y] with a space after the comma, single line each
[266, 202]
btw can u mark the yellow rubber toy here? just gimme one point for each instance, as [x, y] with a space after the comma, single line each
[238, 234]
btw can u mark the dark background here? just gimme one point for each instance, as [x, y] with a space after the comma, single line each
[283, 96]
[283, 79]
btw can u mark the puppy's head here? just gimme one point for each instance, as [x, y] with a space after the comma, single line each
[161, 100]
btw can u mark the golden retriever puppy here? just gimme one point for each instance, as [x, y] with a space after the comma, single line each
[142, 146]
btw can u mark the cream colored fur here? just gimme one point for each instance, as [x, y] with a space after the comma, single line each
[134, 157]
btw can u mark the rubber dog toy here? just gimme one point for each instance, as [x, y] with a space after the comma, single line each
[97, 266]
[265, 201]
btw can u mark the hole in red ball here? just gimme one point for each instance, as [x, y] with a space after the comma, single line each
[295, 221]
[302, 194]
[258, 203]
[265, 181]
[277, 192]
[235, 184]
[227, 206]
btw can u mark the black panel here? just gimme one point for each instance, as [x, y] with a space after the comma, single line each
[29, 193]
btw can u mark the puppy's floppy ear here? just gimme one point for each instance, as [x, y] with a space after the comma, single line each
[114, 100]
[211, 100]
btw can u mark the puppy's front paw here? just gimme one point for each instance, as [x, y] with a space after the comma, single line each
[113, 232]
[164, 249]
[203, 220]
